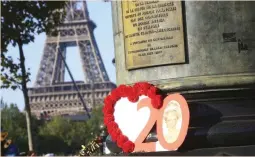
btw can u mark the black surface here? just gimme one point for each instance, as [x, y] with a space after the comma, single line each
[218, 151]
[221, 119]
[221, 123]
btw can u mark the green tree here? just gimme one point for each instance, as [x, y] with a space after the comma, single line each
[69, 135]
[96, 121]
[14, 122]
[60, 135]
[54, 136]
[20, 22]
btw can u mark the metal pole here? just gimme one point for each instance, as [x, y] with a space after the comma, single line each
[77, 89]
[93, 93]
[91, 84]
[92, 87]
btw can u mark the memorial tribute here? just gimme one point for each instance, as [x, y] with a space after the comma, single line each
[153, 32]
[202, 50]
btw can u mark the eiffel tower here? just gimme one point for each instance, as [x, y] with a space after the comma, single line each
[51, 94]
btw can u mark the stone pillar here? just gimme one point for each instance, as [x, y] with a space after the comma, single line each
[213, 64]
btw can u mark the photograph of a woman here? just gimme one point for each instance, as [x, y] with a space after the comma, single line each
[172, 120]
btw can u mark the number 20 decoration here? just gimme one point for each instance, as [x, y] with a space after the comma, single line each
[130, 112]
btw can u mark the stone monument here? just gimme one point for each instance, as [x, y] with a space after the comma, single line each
[203, 50]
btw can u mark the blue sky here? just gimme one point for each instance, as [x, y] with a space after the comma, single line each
[100, 13]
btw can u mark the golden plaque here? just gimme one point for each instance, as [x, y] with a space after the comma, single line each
[153, 33]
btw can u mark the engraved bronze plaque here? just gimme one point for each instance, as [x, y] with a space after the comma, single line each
[153, 33]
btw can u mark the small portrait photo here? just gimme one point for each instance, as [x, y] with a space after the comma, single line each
[172, 121]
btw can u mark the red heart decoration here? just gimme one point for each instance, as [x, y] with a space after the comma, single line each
[155, 103]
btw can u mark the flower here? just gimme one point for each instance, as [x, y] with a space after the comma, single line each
[115, 134]
[132, 95]
[98, 140]
[112, 126]
[108, 101]
[121, 140]
[152, 91]
[142, 87]
[156, 101]
[108, 109]
[122, 90]
[115, 96]
[133, 98]
[128, 147]
[108, 118]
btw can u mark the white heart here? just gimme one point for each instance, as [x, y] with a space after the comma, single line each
[130, 120]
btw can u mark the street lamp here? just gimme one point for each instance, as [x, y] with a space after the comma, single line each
[113, 61]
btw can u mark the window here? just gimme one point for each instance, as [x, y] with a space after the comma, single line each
[78, 5]
[67, 88]
[57, 88]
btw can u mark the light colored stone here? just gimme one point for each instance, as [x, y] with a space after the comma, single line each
[209, 60]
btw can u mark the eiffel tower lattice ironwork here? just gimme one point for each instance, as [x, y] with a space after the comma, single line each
[51, 94]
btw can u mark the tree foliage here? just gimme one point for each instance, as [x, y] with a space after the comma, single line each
[20, 22]
[59, 136]
[96, 121]
[73, 134]
[14, 122]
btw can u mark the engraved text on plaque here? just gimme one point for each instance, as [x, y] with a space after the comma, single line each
[153, 33]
